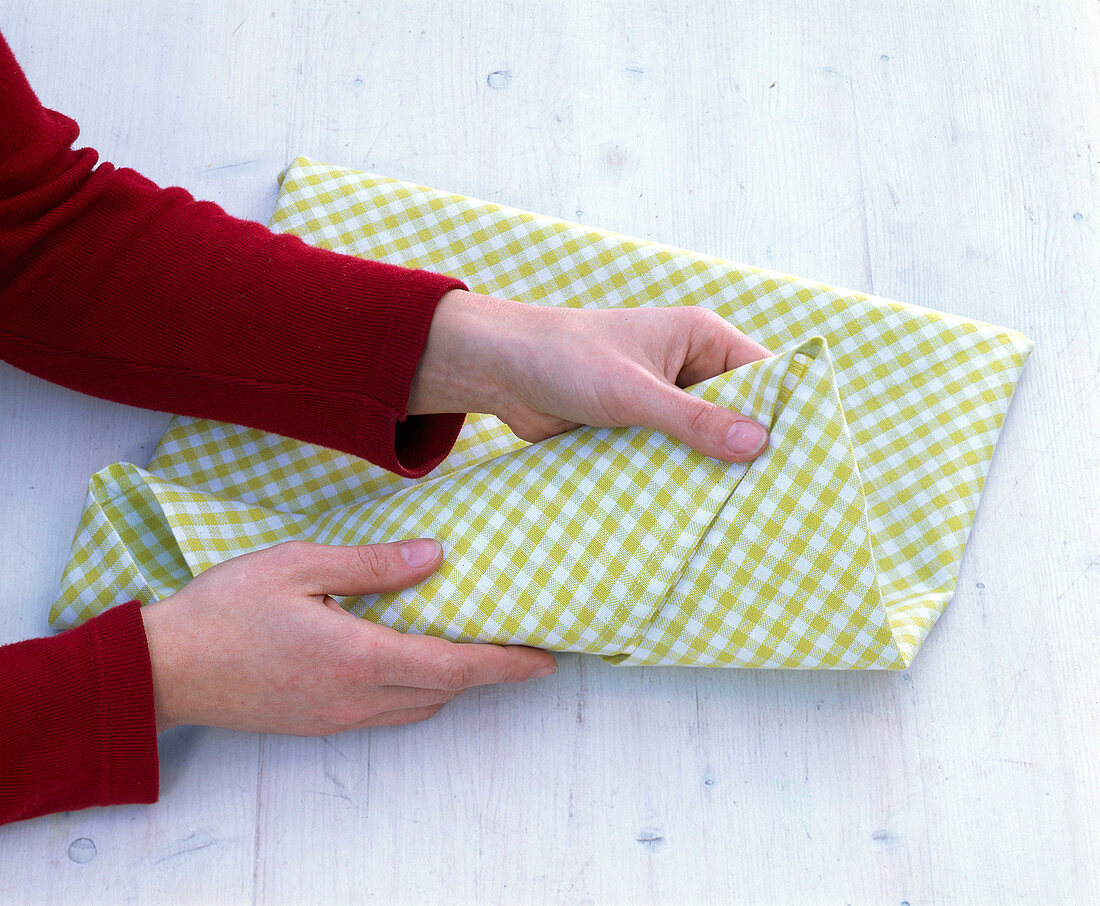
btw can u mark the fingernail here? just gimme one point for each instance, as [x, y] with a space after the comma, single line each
[543, 671]
[420, 552]
[746, 438]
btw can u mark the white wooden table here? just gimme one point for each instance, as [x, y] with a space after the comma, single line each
[946, 154]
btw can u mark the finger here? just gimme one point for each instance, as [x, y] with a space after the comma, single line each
[741, 349]
[323, 569]
[400, 716]
[710, 429]
[432, 663]
[714, 346]
[395, 697]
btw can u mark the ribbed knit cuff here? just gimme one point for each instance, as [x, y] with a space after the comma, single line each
[77, 720]
[124, 683]
[420, 441]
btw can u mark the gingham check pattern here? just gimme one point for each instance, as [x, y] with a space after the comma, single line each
[839, 547]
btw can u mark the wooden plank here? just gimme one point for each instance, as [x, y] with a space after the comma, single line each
[981, 197]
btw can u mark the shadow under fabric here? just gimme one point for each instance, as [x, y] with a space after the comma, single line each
[839, 547]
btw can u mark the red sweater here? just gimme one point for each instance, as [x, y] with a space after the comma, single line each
[118, 288]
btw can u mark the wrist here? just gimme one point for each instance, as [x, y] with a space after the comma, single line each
[162, 659]
[468, 354]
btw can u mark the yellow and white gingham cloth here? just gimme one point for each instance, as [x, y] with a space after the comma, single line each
[839, 547]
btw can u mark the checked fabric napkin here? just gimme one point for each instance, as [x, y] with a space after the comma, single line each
[839, 547]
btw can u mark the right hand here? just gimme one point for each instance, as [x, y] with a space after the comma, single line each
[543, 370]
[255, 643]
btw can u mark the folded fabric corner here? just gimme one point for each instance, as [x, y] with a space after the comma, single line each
[142, 536]
[785, 576]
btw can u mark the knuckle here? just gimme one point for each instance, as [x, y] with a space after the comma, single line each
[707, 327]
[371, 560]
[424, 713]
[338, 716]
[711, 320]
[294, 550]
[359, 674]
[690, 318]
[285, 562]
[455, 673]
[700, 417]
[290, 559]
[411, 715]
[696, 316]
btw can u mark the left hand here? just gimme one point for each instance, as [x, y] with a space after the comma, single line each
[545, 370]
[256, 643]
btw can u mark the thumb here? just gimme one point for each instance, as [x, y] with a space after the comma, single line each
[363, 568]
[705, 427]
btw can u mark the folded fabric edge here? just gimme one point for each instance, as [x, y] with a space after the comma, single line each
[309, 166]
[103, 569]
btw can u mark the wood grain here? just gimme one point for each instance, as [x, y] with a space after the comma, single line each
[945, 154]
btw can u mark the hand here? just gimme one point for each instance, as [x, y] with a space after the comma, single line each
[545, 370]
[256, 644]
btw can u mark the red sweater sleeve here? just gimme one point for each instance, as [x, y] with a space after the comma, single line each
[77, 725]
[117, 288]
